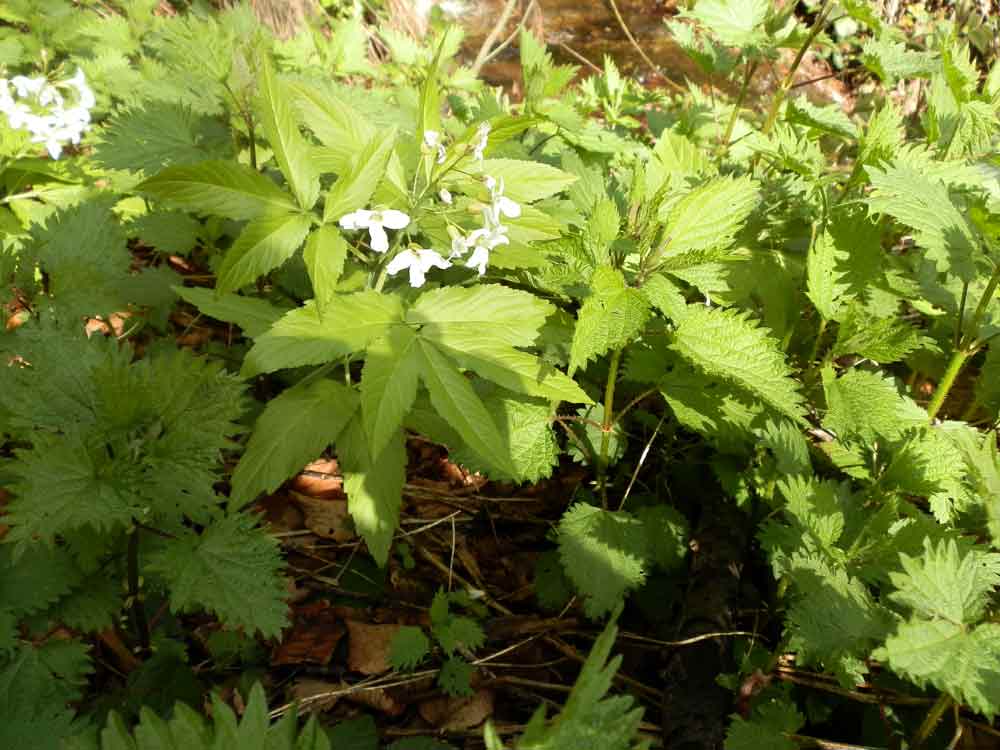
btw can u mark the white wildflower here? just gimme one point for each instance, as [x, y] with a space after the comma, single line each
[376, 222]
[459, 246]
[482, 242]
[500, 205]
[484, 136]
[432, 139]
[41, 109]
[445, 196]
[419, 260]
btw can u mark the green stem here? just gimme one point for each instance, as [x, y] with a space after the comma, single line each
[608, 425]
[930, 722]
[818, 341]
[955, 365]
[139, 620]
[984, 302]
[748, 74]
[786, 84]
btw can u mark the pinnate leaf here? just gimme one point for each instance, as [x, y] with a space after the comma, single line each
[282, 131]
[389, 384]
[293, 430]
[252, 314]
[264, 244]
[354, 189]
[219, 188]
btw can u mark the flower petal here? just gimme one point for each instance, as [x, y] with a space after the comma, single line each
[380, 241]
[479, 259]
[359, 219]
[508, 208]
[394, 219]
[404, 260]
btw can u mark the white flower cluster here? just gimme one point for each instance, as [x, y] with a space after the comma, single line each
[37, 106]
[419, 260]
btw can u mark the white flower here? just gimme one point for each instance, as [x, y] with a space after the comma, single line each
[482, 241]
[375, 222]
[500, 205]
[419, 260]
[459, 246]
[445, 196]
[432, 139]
[484, 136]
[48, 120]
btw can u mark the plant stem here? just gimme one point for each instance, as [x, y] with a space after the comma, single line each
[139, 620]
[958, 359]
[818, 341]
[930, 722]
[607, 425]
[737, 105]
[786, 84]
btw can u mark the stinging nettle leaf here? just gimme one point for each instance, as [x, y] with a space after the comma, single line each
[293, 430]
[219, 188]
[730, 345]
[611, 317]
[709, 215]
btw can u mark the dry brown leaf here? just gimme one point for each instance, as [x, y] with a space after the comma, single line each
[320, 479]
[326, 518]
[313, 638]
[312, 695]
[378, 699]
[458, 714]
[368, 647]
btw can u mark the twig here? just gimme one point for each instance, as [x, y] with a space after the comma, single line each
[642, 53]
[581, 58]
[688, 641]
[491, 38]
[513, 35]
[642, 460]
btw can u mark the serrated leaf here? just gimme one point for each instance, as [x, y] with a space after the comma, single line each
[455, 677]
[170, 232]
[924, 204]
[282, 132]
[342, 130]
[736, 23]
[266, 243]
[667, 534]
[324, 256]
[528, 181]
[219, 188]
[768, 728]
[303, 337]
[829, 119]
[253, 315]
[374, 485]
[508, 367]
[228, 565]
[409, 647]
[730, 345]
[892, 60]
[355, 188]
[867, 405]
[552, 587]
[709, 216]
[389, 384]
[882, 340]
[945, 583]
[601, 554]
[824, 284]
[456, 401]
[495, 313]
[964, 664]
[611, 317]
[294, 429]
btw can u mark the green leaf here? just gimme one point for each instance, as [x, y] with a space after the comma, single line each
[528, 181]
[611, 317]
[496, 313]
[868, 405]
[710, 215]
[265, 243]
[219, 188]
[882, 340]
[230, 564]
[667, 535]
[729, 344]
[294, 429]
[456, 402]
[389, 384]
[374, 485]
[253, 315]
[965, 664]
[891, 60]
[735, 23]
[355, 188]
[302, 337]
[924, 204]
[282, 132]
[829, 119]
[342, 130]
[824, 283]
[409, 647]
[324, 256]
[170, 232]
[455, 677]
[508, 367]
[768, 728]
[945, 583]
[601, 552]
